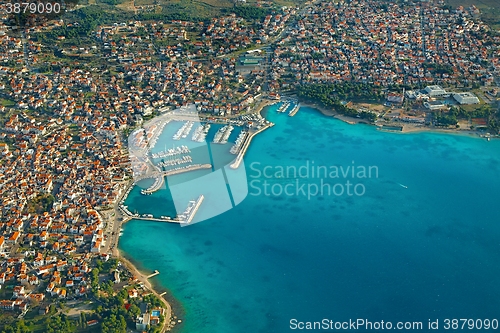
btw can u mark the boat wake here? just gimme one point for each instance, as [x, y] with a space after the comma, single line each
[404, 186]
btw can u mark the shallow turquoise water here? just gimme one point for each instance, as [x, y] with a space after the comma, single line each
[427, 251]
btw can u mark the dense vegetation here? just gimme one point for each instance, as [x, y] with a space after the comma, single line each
[250, 12]
[438, 68]
[486, 112]
[41, 203]
[87, 19]
[331, 95]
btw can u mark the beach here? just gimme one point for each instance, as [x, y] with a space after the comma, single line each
[114, 222]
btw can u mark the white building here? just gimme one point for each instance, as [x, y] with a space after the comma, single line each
[435, 91]
[434, 105]
[466, 98]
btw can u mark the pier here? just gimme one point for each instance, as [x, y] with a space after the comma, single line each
[158, 184]
[245, 145]
[239, 142]
[154, 274]
[160, 177]
[192, 209]
[185, 218]
[294, 110]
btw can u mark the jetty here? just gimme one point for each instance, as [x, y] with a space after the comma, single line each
[160, 177]
[158, 184]
[185, 218]
[390, 128]
[154, 274]
[239, 142]
[191, 210]
[246, 144]
[284, 106]
[294, 111]
[183, 132]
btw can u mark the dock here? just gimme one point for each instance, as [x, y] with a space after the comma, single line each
[160, 178]
[154, 274]
[185, 218]
[245, 145]
[294, 110]
[191, 211]
[158, 184]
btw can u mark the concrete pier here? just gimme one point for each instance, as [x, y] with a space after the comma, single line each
[154, 274]
[295, 110]
[160, 178]
[193, 210]
[245, 146]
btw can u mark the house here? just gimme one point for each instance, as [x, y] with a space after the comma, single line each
[14, 237]
[7, 305]
[92, 322]
[395, 98]
[18, 291]
[4, 148]
[155, 316]
[143, 321]
[132, 293]
[33, 280]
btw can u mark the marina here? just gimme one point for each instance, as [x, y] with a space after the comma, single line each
[160, 177]
[284, 106]
[158, 183]
[193, 206]
[178, 161]
[185, 217]
[294, 111]
[246, 144]
[171, 152]
[239, 141]
[200, 133]
[183, 132]
[223, 134]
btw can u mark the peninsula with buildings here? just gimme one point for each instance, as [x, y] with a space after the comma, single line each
[83, 99]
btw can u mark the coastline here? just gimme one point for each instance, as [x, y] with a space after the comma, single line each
[170, 318]
[407, 128]
[114, 238]
[114, 223]
[170, 322]
[142, 277]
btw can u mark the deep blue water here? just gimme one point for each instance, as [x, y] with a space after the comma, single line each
[422, 243]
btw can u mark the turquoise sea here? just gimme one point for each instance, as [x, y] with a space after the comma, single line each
[423, 242]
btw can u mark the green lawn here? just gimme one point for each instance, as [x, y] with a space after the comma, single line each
[7, 102]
